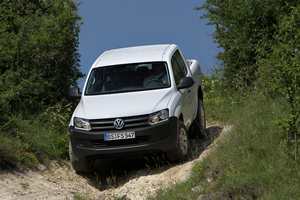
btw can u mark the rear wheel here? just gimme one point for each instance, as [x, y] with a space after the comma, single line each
[81, 165]
[199, 124]
[201, 118]
[180, 153]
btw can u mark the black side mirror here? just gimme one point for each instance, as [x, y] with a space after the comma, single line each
[185, 82]
[75, 93]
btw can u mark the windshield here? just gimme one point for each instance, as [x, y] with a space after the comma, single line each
[129, 77]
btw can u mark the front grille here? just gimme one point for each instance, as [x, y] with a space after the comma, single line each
[127, 142]
[129, 122]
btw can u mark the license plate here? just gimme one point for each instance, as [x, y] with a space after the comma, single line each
[119, 136]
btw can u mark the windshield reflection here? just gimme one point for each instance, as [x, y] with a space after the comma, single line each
[130, 77]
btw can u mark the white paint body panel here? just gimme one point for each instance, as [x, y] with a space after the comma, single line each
[180, 103]
[132, 55]
[123, 104]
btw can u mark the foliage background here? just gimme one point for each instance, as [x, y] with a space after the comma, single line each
[38, 64]
[246, 31]
[260, 43]
[38, 53]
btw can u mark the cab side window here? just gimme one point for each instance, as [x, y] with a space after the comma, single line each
[178, 66]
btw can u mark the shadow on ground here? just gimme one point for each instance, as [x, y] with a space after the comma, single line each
[198, 145]
[111, 173]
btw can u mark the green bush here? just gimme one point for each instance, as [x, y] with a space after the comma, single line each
[38, 54]
[38, 64]
[41, 137]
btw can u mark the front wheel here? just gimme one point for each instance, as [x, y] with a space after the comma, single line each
[81, 165]
[180, 153]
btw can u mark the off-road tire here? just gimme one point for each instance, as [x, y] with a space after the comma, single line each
[198, 127]
[201, 118]
[80, 165]
[180, 153]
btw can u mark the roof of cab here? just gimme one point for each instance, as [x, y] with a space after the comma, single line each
[149, 53]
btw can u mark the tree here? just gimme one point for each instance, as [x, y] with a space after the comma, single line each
[240, 27]
[38, 52]
[280, 71]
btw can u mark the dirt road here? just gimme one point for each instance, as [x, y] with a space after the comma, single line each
[135, 178]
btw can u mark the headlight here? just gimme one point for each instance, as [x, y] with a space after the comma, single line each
[159, 117]
[82, 124]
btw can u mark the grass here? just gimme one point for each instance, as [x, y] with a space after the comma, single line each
[24, 185]
[28, 140]
[78, 196]
[251, 161]
[124, 197]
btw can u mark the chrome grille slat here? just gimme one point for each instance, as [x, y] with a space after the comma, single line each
[102, 128]
[97, 122]
[137, 119]
[135, 125]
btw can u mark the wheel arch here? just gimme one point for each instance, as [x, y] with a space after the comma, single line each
[200, 92]
[180, 118]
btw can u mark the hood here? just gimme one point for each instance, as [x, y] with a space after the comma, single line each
[123, 104]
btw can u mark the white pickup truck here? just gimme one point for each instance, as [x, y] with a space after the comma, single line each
[137, 101]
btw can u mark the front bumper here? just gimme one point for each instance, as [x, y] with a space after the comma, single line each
[149, 139]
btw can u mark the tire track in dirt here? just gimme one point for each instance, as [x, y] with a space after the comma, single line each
[136, 178]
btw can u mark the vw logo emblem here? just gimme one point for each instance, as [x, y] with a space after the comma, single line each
[118, 123]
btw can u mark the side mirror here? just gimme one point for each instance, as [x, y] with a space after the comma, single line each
[186, 82]
[74, 92]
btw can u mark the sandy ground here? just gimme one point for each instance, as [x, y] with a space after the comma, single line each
[135, 178]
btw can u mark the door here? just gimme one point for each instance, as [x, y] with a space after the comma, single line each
[187, 95]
